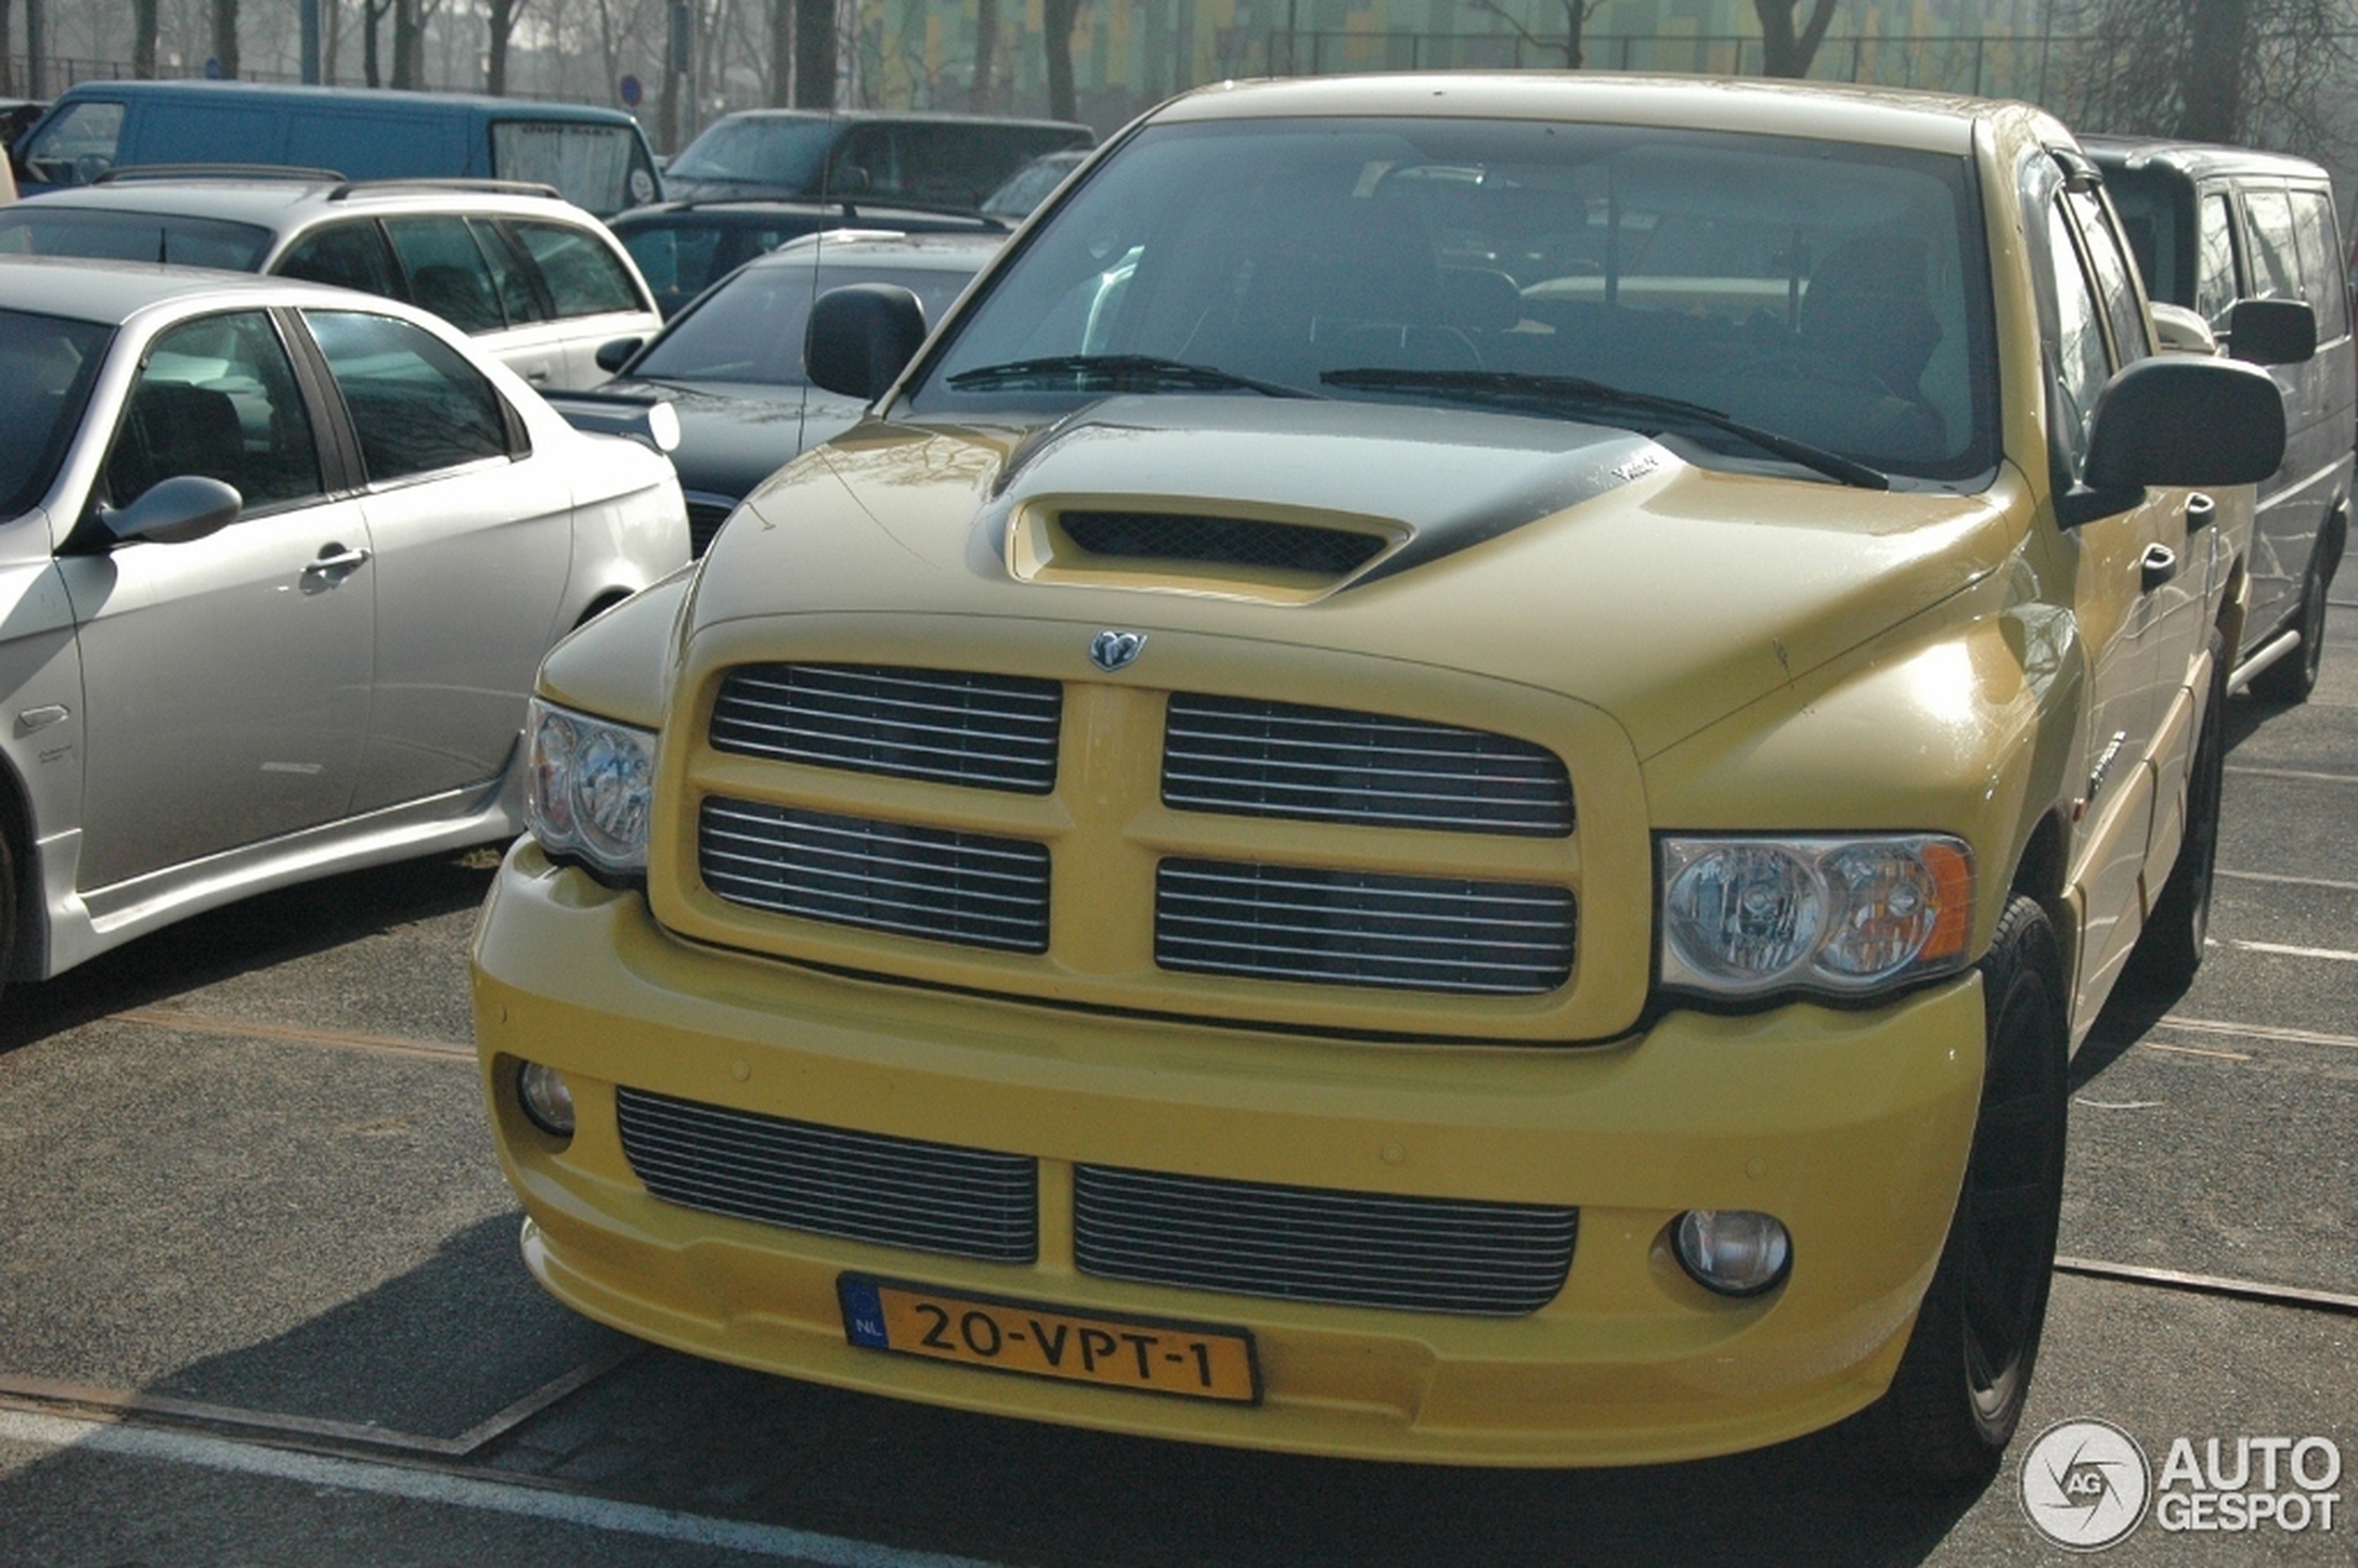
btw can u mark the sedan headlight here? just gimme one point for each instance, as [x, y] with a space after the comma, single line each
[1750, 917]
[589, 787]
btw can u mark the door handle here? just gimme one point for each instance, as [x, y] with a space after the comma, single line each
[2201, 511]
[2160, 564]
[335, 560]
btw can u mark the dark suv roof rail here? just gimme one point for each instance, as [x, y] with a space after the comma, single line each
[498, 187]
[294, 171]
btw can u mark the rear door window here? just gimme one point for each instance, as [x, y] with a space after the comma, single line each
[584, 276]
[417, 405]
[446, 271]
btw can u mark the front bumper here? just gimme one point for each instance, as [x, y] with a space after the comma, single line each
[1849, 1126]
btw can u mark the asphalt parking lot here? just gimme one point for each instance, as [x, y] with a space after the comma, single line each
[260, 1300]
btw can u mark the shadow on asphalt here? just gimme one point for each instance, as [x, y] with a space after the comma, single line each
[254, 933]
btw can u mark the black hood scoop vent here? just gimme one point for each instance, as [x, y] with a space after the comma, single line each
[1196, 540]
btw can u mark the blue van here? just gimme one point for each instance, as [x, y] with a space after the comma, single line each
[596, 158]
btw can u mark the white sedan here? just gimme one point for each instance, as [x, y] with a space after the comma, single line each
[277, 562]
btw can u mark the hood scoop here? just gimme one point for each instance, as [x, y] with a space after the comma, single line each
[1289, 502]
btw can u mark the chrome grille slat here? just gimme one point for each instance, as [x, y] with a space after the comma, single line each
[1362, 928]
[979, 731]
[1311, 1244]
[1250, 758]
[829, 1181]
[935, 882]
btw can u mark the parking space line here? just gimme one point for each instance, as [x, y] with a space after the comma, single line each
[2212, 1285]
[248, 1028]
[2259, 1032]
[2285, 949]
[2289, 881]
[2295, 773]
[2194, 1051]
[121, 1402]
[441, 1488]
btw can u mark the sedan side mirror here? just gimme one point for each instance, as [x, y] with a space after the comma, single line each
[174, 510]
[611, 357]
[862, 337]
[2272, 331]
[2181, 420]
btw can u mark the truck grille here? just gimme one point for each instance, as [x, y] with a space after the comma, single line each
[1323, 764]
[861, 1186]
[983, 732]
[1362, 928]
[944, 885]
[1308, 1244]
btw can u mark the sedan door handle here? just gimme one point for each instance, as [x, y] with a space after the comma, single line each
[2160, 564]
[335, 560]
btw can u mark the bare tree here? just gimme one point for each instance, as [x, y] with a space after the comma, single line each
[1784, 51]
[780, 77]
[2219, 70]
[225, 37]
[147, 23]
[406, 26]
[8, 68]
[814, 54]
[1576, 16]
[500, 22]
[372, 16]
[36, 47]
[979, 94]
[1058, 19]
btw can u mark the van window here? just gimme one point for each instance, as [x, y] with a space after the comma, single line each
[39, 230]
[591, 165]
[2215, 265]
[584, 278]
[447, 273]
[2276, 258]
[77, 147]
[764, 149]
[2312, 214]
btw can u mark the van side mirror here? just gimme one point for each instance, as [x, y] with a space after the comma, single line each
[612, 356]
[2179, 419]
[2272, 331]
[861, 336]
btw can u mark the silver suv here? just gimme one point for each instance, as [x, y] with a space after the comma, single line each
[538, 282]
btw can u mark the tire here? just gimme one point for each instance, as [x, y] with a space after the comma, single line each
[1965, 1375]
[2171, 949]
[2291, 680]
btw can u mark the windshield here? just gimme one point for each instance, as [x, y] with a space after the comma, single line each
[38, 229]
[46, 365]
[1827, 292]
[750, 329]
[762, 151]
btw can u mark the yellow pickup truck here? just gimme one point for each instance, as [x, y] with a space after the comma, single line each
[1444, 780]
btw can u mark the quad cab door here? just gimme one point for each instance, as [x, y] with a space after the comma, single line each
[226, 679]
[2139, 589]
[472, 535]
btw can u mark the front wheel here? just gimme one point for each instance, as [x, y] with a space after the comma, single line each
[1965, 1375]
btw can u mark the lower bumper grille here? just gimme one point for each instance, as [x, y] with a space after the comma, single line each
[1308, 1244]
[860, 1186]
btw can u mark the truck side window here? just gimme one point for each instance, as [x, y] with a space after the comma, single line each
[2081, 365]
[2215, 288]
[2116, 284]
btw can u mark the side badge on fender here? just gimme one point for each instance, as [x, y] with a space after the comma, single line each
[1113, 650]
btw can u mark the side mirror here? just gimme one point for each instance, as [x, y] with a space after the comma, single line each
[2178, 420]
[2181, 331]
[862, 337]
[2272, 331]
[174, 510]
[611, 357]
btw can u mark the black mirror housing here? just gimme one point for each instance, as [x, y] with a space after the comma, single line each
[613, 355]
[2181, 420]
[861, 337]
[2272, 331]
[174, 510]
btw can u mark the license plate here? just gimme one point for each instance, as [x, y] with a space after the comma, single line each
[1187, 1359]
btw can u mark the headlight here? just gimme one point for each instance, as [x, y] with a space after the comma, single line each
[589, 787]
[1747, 917]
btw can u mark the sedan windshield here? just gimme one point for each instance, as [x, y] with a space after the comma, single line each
[46, 365]
[39, 230]
[750, 328]
[1829, 293]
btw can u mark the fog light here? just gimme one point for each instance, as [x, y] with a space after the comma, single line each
[1734, 1251]
[546, 1100]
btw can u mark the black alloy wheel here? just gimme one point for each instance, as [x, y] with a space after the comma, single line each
[1965, 1375]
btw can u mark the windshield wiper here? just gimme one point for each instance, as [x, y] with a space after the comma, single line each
[1115, 372]
[1557, 394]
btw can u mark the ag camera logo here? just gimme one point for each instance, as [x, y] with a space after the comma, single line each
[2085, 1484]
